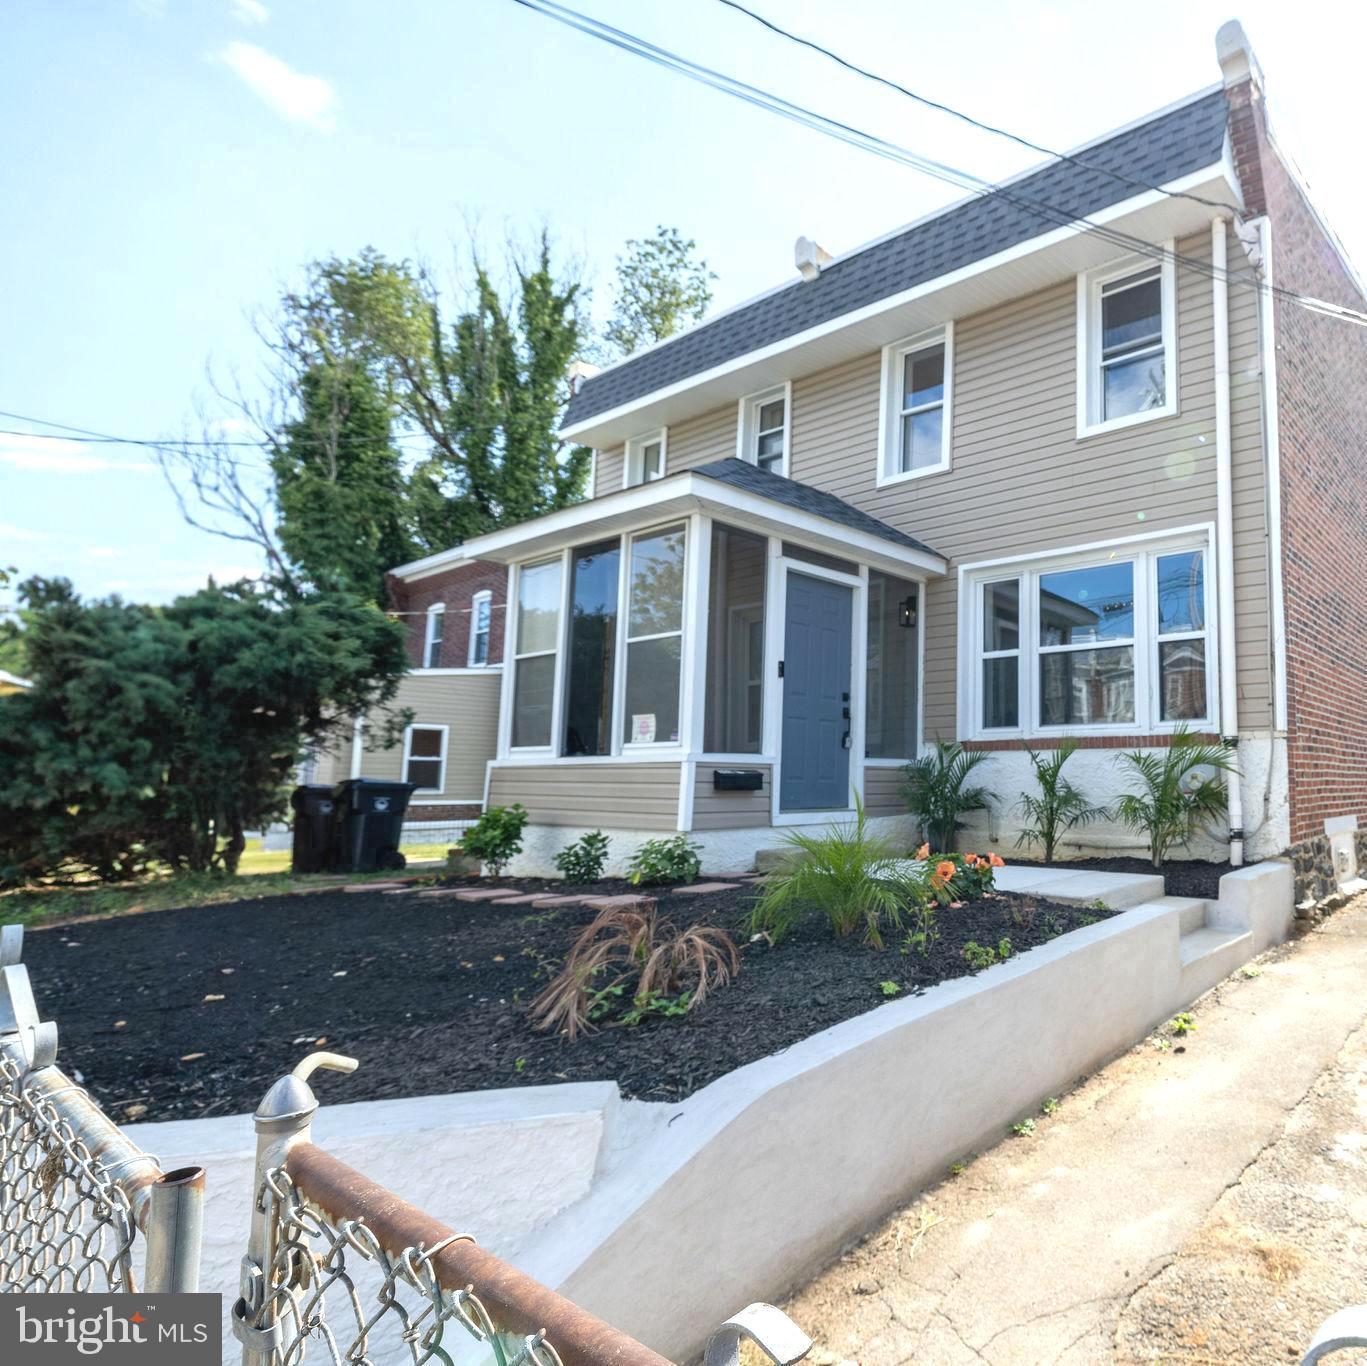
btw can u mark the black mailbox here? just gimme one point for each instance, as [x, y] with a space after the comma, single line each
[737, 779]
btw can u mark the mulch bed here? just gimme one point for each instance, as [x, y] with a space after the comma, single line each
[430, 995]
[1182, 877]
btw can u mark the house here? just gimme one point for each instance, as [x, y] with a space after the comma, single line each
[998, 476]
[12, 683]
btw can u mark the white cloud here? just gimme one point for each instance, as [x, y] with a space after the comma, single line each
[294, 96]
[59, 456]
[250, 11]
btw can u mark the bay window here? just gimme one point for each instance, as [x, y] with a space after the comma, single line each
[535, 652]
[1112, 642]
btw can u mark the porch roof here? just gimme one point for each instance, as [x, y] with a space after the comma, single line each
[729, 490]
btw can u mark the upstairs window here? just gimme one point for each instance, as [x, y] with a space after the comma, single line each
[645, 458]
[916, 404]
[762, 437]
[481, 610]
[1126, 345]
[424, 757]
[431, 648]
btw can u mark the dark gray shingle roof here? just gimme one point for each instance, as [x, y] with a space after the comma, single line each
[1157, 152]
[804, 498]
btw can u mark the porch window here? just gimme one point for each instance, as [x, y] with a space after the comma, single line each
[431, 645]
[734, 721]
[481, 609]
[645, 458]
[893, 624]
[594, 574]
[1109, 643]
[424, 757]
[654, 638]
[538, 629]
[762, 438]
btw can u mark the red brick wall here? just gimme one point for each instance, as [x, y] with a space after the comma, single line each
[1322, 409]
[455, 588]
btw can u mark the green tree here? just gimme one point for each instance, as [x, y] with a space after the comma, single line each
[661, 286]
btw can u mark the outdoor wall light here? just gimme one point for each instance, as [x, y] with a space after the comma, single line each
[906, 612]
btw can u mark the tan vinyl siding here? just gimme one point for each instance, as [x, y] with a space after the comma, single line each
[697, 441]
[1022, 482]
[609, 471]
[467, 704]
[883, 791]
[627, 796]
[713, 810]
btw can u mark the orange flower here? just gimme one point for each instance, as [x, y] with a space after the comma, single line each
[944, 871]
[923, 852]
[971, 860]
[996, 860]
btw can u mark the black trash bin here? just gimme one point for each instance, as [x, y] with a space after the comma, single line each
[370, 814]
[314, 817]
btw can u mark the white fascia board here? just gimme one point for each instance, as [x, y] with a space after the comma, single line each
[439, 563]
[1056, 255]
[680, 494]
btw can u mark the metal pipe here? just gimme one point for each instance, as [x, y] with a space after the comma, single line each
[175, 1229]
[1224, 536]
[516, 1303]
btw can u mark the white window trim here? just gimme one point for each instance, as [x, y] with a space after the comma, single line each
[890, 407]
[483, 596]
[747, 425]
[1089, 285]
[408, 753]
[1145, 551]
[631, 463]
[436, 616]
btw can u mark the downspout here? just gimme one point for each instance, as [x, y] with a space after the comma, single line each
[357, 746]
[1224, 537]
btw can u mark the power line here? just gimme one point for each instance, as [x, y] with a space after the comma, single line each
[891, 151]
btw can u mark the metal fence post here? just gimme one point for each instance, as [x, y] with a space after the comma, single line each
[175, 1227]
[282, 1119]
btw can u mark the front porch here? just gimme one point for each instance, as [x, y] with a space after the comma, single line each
[722, 650]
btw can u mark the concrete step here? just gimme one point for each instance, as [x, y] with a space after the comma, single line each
[1081, 886]
[1191, 911]
[1211, 948]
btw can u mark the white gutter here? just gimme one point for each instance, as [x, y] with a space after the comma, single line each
[1224, 536]
[357, 746]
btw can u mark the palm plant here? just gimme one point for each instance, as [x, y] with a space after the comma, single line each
[1170, 802]
[1059, 806]
[860, 881]
[937, 793]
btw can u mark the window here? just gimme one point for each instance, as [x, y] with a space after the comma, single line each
[654, 638]
[1111, 643]
[481, 609]
[890, 689]
[762, 436]
[594, 571]
[915, 423]
[734, 721]
[431, 648]
[538, 635]
[645, 459]
[1126, 345]
[424, 757]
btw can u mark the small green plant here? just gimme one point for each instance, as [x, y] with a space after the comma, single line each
[923, 933]
[978, 956]
[1024, 1129]
[1174, 796]
[1250, 970]
[1050, 1105]
[889, 988]
[938, 792]
[958, 1168]
[1182, 1024]
[496, 837]
[662, 861]
[1163, 1045]
[1004, 949]
[856, 878]
[655, 1003]
[1098, 905]
[1059, 806]
[583, 860]
[519, 1065]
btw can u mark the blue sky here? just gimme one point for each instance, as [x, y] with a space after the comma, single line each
[168, 165]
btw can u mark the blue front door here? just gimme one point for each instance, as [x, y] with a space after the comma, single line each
[816, 695]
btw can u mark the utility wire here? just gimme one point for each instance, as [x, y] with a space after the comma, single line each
[891, 151]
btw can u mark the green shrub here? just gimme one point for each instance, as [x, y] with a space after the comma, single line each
[1170, 802]
[937, 791]
[496, 837]
[668, 860]
[859, 880]
[583, 860]
[978, 956]
[1059, 807]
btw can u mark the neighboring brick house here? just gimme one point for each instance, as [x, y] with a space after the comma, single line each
[455, 615]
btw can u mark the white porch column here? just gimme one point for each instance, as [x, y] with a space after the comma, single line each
[693, 662]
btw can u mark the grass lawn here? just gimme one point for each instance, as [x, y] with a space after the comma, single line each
[261, 873]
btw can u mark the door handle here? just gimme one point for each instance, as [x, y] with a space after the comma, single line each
[845, 713]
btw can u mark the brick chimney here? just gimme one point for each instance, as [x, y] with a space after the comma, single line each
[1247, 112]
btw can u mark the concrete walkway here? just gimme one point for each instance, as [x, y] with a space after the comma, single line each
[1057, 1247]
